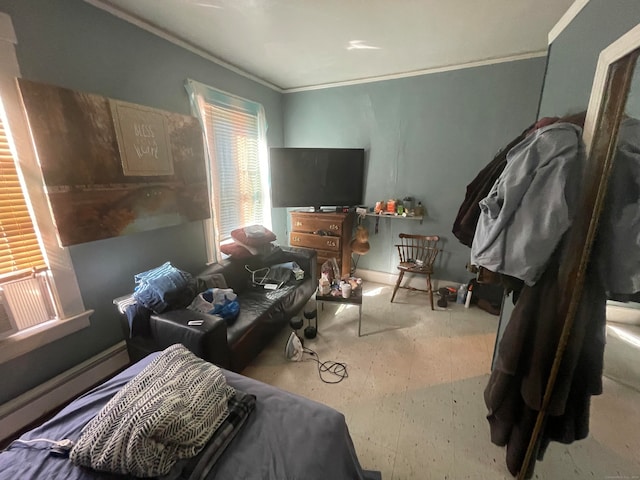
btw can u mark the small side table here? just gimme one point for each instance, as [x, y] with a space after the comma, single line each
[354, 299]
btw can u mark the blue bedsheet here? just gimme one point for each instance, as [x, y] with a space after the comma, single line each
[286, 437]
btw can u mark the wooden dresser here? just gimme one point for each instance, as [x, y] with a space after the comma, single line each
[329, 234]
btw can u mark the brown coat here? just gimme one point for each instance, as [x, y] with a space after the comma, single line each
[526, 352]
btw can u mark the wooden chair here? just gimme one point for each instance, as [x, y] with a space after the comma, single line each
[417, 255]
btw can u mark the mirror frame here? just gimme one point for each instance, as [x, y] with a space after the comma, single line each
[614, 71]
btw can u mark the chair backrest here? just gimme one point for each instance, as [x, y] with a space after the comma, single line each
[421, 248]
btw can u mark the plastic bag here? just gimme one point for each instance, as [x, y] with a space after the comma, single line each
[217, 301]
[229, 311]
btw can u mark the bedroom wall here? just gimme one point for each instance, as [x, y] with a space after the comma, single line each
[426, 137]
[72, 44]
[574, 53]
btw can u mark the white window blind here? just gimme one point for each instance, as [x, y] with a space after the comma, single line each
[237, 171]
[20, 252]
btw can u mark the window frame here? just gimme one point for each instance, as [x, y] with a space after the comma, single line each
[200, 95]
[72, 315]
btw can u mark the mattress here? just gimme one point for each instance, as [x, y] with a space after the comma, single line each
[285, 437]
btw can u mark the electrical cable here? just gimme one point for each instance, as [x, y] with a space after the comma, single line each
[338, 369]
[39, 440]
[60, 448]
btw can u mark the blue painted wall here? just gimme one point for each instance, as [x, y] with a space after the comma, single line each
[573, 56]
[426, 137]
[74, 45]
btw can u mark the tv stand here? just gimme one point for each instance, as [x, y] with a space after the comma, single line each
[329, 234]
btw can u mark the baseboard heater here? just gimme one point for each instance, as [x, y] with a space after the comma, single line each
[19, 412]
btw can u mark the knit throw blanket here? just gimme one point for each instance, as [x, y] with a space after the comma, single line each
[165, 413]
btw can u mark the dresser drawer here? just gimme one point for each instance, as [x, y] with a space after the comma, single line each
[319, 242]
[312, 223]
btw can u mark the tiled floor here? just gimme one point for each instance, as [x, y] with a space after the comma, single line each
[413, 399]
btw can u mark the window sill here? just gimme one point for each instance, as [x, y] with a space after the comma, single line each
[24, 342]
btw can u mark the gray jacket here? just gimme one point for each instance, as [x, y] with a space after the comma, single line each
[532, 203]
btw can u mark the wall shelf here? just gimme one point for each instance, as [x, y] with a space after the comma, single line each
[394, 216]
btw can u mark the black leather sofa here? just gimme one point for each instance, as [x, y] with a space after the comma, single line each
[263, 313]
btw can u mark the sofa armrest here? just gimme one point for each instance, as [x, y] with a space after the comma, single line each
[208, 341]
[306, 258]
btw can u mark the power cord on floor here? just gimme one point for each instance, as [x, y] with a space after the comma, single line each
[337, 369]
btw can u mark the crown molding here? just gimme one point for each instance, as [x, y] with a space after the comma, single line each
[566, 19]
[426, 71]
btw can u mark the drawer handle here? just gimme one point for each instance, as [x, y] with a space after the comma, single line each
[331, 243]
[296, 239]
[298, 224]
[333, 226]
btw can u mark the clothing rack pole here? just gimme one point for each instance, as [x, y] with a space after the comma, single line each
[582, 235]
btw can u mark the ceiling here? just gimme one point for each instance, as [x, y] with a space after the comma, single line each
[293, 44]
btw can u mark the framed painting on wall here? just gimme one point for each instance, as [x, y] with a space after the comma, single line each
[103, 184]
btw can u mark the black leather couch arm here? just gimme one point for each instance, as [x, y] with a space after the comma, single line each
[208, 341]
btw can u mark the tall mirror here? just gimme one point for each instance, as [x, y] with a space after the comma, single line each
[604, 241]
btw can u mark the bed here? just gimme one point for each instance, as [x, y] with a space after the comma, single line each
[285, 437]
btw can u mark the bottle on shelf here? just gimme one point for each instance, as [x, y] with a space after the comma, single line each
[391, 206]
[419, 210]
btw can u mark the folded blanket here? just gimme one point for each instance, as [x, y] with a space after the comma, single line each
[240, 406]
[167, 412]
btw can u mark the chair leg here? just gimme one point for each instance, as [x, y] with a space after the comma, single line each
[395, 289]
[430, 287]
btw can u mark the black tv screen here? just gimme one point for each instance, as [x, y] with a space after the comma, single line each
[316, 177]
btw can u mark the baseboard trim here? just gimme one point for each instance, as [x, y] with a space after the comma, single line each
[37, 402]
[415, 281]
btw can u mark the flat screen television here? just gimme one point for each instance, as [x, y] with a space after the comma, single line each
[316, 177]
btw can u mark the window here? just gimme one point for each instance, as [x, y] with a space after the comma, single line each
[40, 299]
[235, 134]
[20, 251]
[23, 270]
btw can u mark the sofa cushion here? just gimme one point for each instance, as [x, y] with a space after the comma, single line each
[253, 236]
[235, 250]
[259, 308]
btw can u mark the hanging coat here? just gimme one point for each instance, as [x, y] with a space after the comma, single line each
[464, 225]
[516, 387]
[532, 203]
